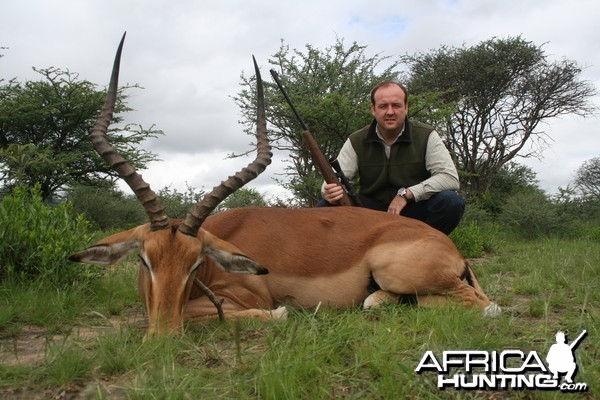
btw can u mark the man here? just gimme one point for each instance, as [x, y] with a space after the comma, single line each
[402, 165]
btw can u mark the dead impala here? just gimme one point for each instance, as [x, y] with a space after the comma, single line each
[327, 256]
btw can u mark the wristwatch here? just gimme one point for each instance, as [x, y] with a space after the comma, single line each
[402, 192]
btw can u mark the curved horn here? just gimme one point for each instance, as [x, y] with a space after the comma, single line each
[149, 200]
[200, 211]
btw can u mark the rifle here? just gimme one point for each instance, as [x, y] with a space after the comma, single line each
[328, 168]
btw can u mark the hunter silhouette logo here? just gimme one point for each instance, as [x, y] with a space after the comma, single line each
[561, 357]
[507, 369]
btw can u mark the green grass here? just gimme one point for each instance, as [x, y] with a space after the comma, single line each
[544, 286]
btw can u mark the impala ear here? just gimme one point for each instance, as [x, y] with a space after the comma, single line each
[112, 248]
[105, 254]
[229, 257]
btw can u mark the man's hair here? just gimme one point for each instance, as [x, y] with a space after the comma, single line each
[386, 84]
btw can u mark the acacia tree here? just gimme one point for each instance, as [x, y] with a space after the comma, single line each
[587, 178]
[501, 90]
[44, 127]
[330, 89]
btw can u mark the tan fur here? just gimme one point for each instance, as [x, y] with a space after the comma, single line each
[315, 257]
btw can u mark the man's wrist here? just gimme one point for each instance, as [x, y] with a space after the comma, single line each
[406, 194]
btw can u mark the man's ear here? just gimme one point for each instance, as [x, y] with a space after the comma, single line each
[229, 257]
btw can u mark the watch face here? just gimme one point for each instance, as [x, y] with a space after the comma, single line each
[402, 192]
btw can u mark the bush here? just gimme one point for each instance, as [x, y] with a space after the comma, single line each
[531, 214]
[178, 204]
[469, 240]
[593, 233]
[106, 207]
[36, 239]
[584, 230]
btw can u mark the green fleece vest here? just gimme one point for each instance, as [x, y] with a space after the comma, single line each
[380, 177]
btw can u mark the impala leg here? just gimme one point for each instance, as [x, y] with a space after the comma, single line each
[432, 275]
[379, 298]
[469, 298]
[202, 308]
[462, 294]
[382, 297]
[468, 295]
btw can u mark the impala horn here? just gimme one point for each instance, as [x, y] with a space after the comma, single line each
[142, 190]
[194, 219]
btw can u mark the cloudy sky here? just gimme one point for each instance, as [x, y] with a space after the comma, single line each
[188, 55]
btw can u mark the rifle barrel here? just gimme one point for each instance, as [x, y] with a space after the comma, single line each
[275, 76]
[322, 163]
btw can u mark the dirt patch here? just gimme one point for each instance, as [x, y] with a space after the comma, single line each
[30, 345]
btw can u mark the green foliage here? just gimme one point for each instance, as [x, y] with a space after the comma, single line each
[178, 204]
[469, 240]
[243, 197]
[515, 205]
[36, 239]
[306, 188]
[44, 127]
[579, 213]
[107, 207]
[21, 162]
[512, 178]
[501, 90]
[330, 89]
[530, 214]
[58, 309]
[587, 178]
[592, 233]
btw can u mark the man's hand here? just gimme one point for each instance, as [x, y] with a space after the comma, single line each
[399, 202]
[397, 205]
[332, 192]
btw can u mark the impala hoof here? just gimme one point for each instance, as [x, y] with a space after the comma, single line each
[280, 313]
[491, 311]
[378, 298]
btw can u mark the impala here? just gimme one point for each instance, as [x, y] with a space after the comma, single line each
[296, 257]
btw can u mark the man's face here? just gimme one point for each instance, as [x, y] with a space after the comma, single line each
[390, 109]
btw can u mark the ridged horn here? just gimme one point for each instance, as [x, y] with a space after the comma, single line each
[194, 219]
[142, 190]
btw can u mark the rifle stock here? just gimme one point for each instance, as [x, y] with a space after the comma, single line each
[324, 166]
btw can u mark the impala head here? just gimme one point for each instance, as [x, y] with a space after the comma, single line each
[171, 251]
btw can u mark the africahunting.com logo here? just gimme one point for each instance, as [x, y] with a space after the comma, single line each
[507, 369]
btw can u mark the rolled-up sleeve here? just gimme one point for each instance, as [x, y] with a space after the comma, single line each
[438, 162]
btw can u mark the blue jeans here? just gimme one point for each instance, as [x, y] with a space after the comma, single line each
[442, 211]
